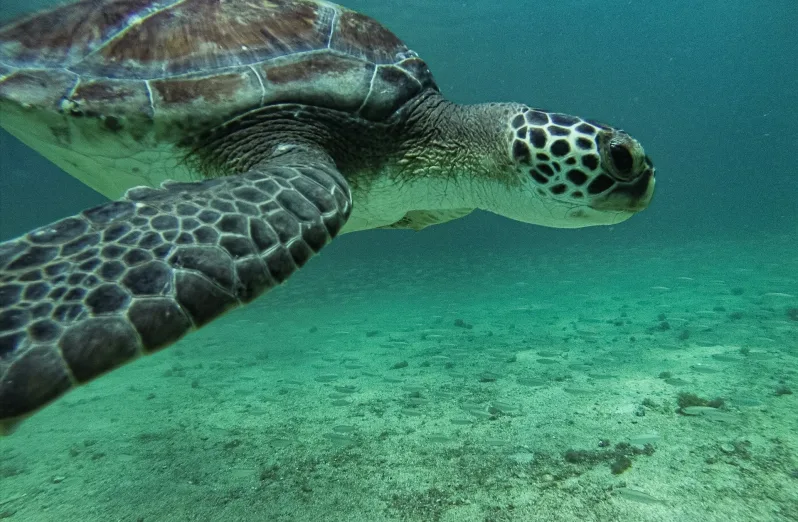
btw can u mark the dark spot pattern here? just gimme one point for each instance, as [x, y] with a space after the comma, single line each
[564, 119]
[545, 169]
[61, 232]
[565, 152]
[185, 210]
[115, 231]
[44, 331]
[554, 130]
[538, 138]
[34, 256]
[132, 238]
[41, 309]
[111, 270]
[600, 184]
[521, 152]
[222, 206]
[190, 224]
[86, 294]
[9, 294]
[150, 240]
[135, 256]
[537, 117]
[184, 238]
[36, 292]
[237, 246]
[33, 275]
[560, 148]
[112, 251]
[209, 216]
[151, 279]
[89, 264]
[76, 278]
[235, 224]
[68, 312]
[56, 268]
[13, 319]
[577, 177]
[537, 176]
[162, 251]
[74, 294]
[57, 293]
[590, 161]
[165, 222]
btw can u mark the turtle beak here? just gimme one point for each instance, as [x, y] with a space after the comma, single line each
[632, 196]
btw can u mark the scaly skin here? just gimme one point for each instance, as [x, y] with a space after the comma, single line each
[91, 292]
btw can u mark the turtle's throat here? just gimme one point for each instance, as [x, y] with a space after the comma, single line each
[464, 144]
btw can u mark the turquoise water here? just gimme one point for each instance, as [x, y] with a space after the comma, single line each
[485, 369]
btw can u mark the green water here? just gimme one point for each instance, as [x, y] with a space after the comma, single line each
[486, 370]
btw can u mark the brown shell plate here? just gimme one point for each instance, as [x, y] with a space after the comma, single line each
[129, 63]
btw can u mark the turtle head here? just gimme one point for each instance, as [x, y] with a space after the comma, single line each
[575, 172]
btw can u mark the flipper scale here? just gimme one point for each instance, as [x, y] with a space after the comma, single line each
[91, 292]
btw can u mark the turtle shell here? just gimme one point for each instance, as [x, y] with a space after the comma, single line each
[154, 72]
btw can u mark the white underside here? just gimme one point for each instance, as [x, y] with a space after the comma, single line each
[386, 202]
[109, 163]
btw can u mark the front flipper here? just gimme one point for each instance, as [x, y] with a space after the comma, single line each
[91, 292]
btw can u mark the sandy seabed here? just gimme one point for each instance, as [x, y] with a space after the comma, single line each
[562, 386]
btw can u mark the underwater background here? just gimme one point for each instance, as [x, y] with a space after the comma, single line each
[484, 369]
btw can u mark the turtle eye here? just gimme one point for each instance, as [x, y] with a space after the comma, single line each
[621, 158]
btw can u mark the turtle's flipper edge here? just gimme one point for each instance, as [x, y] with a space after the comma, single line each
[91, 292]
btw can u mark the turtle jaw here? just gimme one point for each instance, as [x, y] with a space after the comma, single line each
[619, 202]
[632, 197]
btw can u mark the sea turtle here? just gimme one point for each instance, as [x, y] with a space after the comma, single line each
[237, 138]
